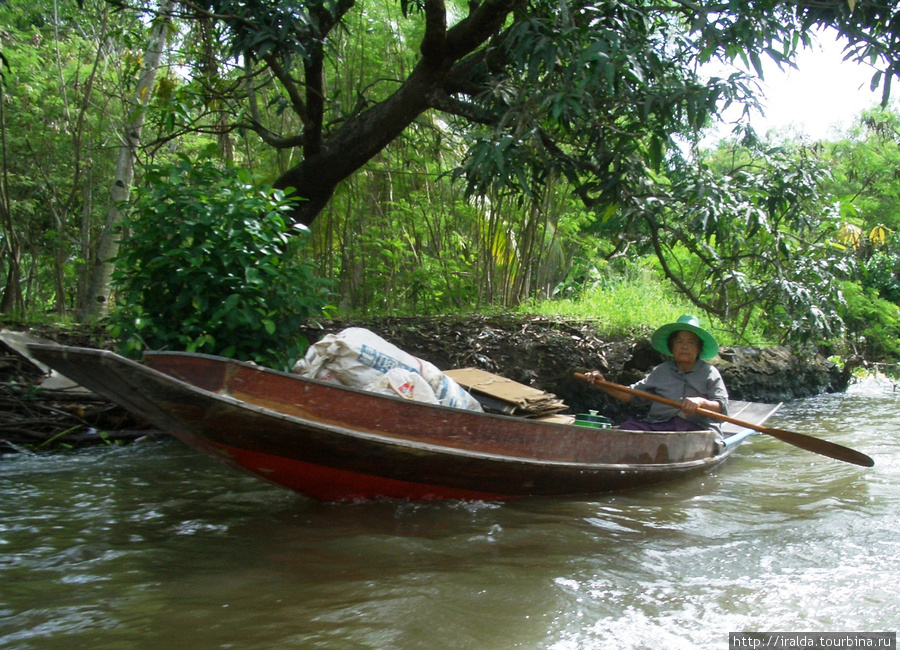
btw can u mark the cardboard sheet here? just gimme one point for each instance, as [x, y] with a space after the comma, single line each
[521, 399]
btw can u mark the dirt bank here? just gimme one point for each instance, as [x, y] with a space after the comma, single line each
[544, 353]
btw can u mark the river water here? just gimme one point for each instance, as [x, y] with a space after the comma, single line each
[155, 546]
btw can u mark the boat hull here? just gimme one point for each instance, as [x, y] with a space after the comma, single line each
[334, 443]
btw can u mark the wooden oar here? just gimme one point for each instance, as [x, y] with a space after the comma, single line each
[809, 443]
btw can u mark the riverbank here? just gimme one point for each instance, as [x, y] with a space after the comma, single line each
[536, 351]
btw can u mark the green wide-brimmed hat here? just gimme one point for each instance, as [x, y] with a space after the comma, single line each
[688, 323]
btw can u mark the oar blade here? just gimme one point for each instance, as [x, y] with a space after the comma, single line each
[819, 446]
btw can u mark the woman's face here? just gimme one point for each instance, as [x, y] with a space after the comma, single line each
[685, 348]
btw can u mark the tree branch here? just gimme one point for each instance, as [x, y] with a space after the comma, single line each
[290, 86]
[667, 271]
[432, 45]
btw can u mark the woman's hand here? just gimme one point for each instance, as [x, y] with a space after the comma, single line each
[691, 404]
[596, 378]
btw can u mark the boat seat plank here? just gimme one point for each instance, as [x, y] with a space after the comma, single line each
[755, 412]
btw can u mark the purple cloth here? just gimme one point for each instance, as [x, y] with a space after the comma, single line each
[672, 424]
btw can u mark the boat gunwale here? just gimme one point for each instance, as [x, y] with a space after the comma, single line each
[403, 442]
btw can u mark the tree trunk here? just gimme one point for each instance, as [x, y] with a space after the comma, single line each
[97, 303]
[12, 300]
[362, 137]
[84, 239]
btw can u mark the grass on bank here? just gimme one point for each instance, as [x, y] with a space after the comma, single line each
[633, 303]
[636, 303]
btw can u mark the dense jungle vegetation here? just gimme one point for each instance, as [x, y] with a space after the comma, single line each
[205, 175]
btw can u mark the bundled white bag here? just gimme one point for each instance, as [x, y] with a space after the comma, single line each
[358, 358]
[400, 382]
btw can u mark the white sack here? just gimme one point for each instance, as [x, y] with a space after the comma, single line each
[358, 358]
[400, 382]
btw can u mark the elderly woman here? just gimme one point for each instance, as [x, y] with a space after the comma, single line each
[685, 378]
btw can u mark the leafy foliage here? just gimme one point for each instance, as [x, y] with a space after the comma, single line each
[209, 264]
[874, 323]
[882, 273]
[751, 230]
[462, 156]
[865, 173]
[52, 80]
[592, 92]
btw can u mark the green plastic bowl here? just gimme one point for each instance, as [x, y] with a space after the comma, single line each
[592, 420]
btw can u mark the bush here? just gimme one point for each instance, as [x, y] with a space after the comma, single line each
[882, 272]
[874, 322]
[208, 263]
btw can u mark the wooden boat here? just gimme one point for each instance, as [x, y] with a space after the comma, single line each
[336, 443]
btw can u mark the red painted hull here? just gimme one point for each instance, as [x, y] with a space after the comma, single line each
[334, 443]
[327, 483]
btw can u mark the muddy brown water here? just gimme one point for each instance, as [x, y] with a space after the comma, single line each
[156, 546]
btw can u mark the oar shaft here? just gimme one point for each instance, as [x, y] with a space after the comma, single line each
[801, 440]
[670, 402]
[700, 411]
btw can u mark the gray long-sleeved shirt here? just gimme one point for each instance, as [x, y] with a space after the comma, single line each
[666, 380]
